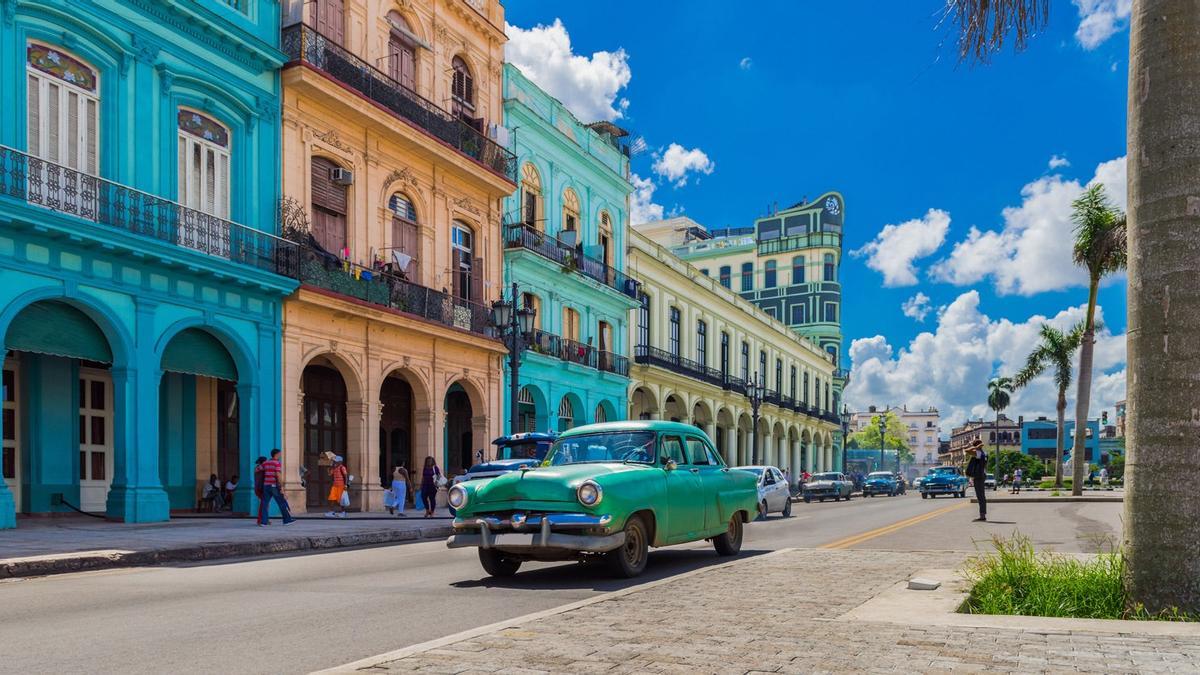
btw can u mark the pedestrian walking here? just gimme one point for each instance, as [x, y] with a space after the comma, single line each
[431, 479]
[399, 491]
[272, 474]
[1104, 477]
[1017, 476]
[977, 471]
[339, 499]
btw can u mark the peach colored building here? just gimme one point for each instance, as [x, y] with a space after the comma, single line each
[394, 172]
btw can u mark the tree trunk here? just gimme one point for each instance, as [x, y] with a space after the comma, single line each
[1083, 394]
[1058, 438]
[1162, 507]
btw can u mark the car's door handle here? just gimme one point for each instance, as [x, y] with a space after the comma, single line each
[694, 470]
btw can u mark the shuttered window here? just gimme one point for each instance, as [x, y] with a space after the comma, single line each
[467, 269]
[203, 164]
[402, 52]
[462, 86]
[329, 207]
[331, 19]
[404, 234]
[62, 109]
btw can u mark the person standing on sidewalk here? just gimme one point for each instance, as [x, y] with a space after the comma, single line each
[399, 490]
[430, 475]
[338, 491]
[1017, 476]
[977, 471]
[272, 474]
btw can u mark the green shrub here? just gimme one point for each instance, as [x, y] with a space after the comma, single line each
[1018, 580]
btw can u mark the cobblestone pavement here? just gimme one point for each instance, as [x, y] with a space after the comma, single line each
[779, 613]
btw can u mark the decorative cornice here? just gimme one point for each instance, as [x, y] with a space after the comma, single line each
[403, 175]
[173, 14]
[165, 78]
[467, 205]
[331, 138]
[144, 50]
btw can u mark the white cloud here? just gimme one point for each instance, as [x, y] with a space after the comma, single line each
[588, 86]
[893, 251]
[642, 207]
[1057, 162]
[1100, 20]
[1032, 252]
[917, 307]
[949, 367]
[677, 162]
[745, 63]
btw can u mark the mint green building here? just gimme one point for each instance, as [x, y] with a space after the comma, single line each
[564, 239]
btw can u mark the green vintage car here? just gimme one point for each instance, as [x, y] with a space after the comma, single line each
[608, 490]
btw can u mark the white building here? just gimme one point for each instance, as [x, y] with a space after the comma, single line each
[922, 432]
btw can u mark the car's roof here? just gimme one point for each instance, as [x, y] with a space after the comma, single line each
[633, 425]
[527, 436]
[881, 473]
[760, 467]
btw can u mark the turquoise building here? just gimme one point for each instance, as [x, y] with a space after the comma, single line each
[564, 245]
[140, 284]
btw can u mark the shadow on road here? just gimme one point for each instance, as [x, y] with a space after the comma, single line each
[593, 575]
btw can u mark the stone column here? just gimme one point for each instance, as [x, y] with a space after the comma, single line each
[136, 494]
[358, 459]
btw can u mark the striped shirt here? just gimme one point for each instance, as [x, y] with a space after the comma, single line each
[272, 471]
[339, 476]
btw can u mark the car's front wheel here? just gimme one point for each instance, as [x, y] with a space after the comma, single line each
[629, 560]
[496, 565]
[762, 510]
[729, 542]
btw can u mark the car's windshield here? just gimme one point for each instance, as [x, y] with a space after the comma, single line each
[616, 446]
[523, 450]
[991, 476]
[880, 474]
[825, 476]
[942, 470]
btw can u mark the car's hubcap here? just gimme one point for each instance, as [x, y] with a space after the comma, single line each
[633, 546]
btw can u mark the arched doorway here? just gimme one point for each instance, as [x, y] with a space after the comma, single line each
[396, 402]
[58, 424]
[725, 435]
[531, 410]
[569, 412]
[605, 412]
[458, 436]
[642, 405]
[324, 427]
[673, 409]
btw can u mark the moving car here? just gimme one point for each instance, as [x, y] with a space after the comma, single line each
[829, 485]
[944, 480]
[774, 493]
[880, 483]
[512, 453]
[990, 481]
[609, 491]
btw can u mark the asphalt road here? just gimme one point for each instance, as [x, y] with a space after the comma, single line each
[299, 613]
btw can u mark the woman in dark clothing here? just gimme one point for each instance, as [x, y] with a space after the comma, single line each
[429, 485]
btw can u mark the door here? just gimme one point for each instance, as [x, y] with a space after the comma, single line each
[95, 438]
[228, 438]
[685, 504]
[778, 495]
[324, 428]
[402, 61]
[713, 480]
[11, 464]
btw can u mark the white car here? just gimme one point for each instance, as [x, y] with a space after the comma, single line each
[989, 483]
[774, 493]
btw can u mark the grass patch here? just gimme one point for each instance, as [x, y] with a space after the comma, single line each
[1018, 580]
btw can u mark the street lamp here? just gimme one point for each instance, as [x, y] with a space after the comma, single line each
[755, 391]
[845, 432]
[882, 437]
[516, 329]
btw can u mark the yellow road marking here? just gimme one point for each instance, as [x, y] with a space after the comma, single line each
[888, 529]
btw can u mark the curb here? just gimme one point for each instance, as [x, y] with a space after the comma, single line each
[1051, 500]
[66, 564]
[404, 652]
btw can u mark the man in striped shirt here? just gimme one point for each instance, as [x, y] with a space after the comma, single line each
[272, 475]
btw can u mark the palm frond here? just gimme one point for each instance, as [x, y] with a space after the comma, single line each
[1099, 232]
[985, 25]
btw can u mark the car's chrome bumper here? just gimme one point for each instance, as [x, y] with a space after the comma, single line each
[942, 488]
[568, 531]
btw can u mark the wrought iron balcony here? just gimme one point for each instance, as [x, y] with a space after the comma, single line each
[302, 44]
[111, 205]
[579, 353]
[520, 235]
[611, 362]
[677, 364]
[379, 287]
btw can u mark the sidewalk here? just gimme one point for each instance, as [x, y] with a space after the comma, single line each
[791, 612]
[40, 546]
[1033, 496]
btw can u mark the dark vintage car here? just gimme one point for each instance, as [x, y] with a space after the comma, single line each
[829, 485]
[944, 480]
[881, 483]
[513, 453]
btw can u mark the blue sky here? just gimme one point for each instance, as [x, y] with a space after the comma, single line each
[743, 109]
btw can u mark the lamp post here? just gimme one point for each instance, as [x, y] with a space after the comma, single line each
[845, 418]
[882, 437]
[515, 326]
[754, 391]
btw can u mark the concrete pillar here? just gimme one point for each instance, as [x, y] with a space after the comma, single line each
[136, 494]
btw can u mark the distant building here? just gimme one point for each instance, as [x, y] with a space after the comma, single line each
[923, 430]
[1111, 448]
[1120, 406]
[1004, 432]
[1039, 438]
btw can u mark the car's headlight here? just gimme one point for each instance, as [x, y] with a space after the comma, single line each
[589, 493]
[457, 497]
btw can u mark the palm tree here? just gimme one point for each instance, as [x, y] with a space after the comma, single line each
[1054, 351]
[1100, 247]
[1161, 526]
[998, 397]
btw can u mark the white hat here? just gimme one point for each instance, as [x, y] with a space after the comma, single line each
[338, 458]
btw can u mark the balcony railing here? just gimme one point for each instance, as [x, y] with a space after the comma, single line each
[800, 241]
[579, 353]
[115, 206]
[677, 364]
[379, 287]
[520, 235]
[302, 44]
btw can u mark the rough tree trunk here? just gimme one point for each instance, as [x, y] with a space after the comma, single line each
[1058, 438]
[1162, 507]
[1083, 395]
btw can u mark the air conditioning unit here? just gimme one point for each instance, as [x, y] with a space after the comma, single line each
[341, 176]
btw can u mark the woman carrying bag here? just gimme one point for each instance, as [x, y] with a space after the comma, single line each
[339, 497]
[431, 480]
[399, 491]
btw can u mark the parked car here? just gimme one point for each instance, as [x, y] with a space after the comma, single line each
[610, 491]
[829, 485]
[944, 480]
[774, 494]
[880, 483]
[512, 453]
[990, 481]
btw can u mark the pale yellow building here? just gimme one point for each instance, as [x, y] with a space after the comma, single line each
[394, 172]
[697, 347]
